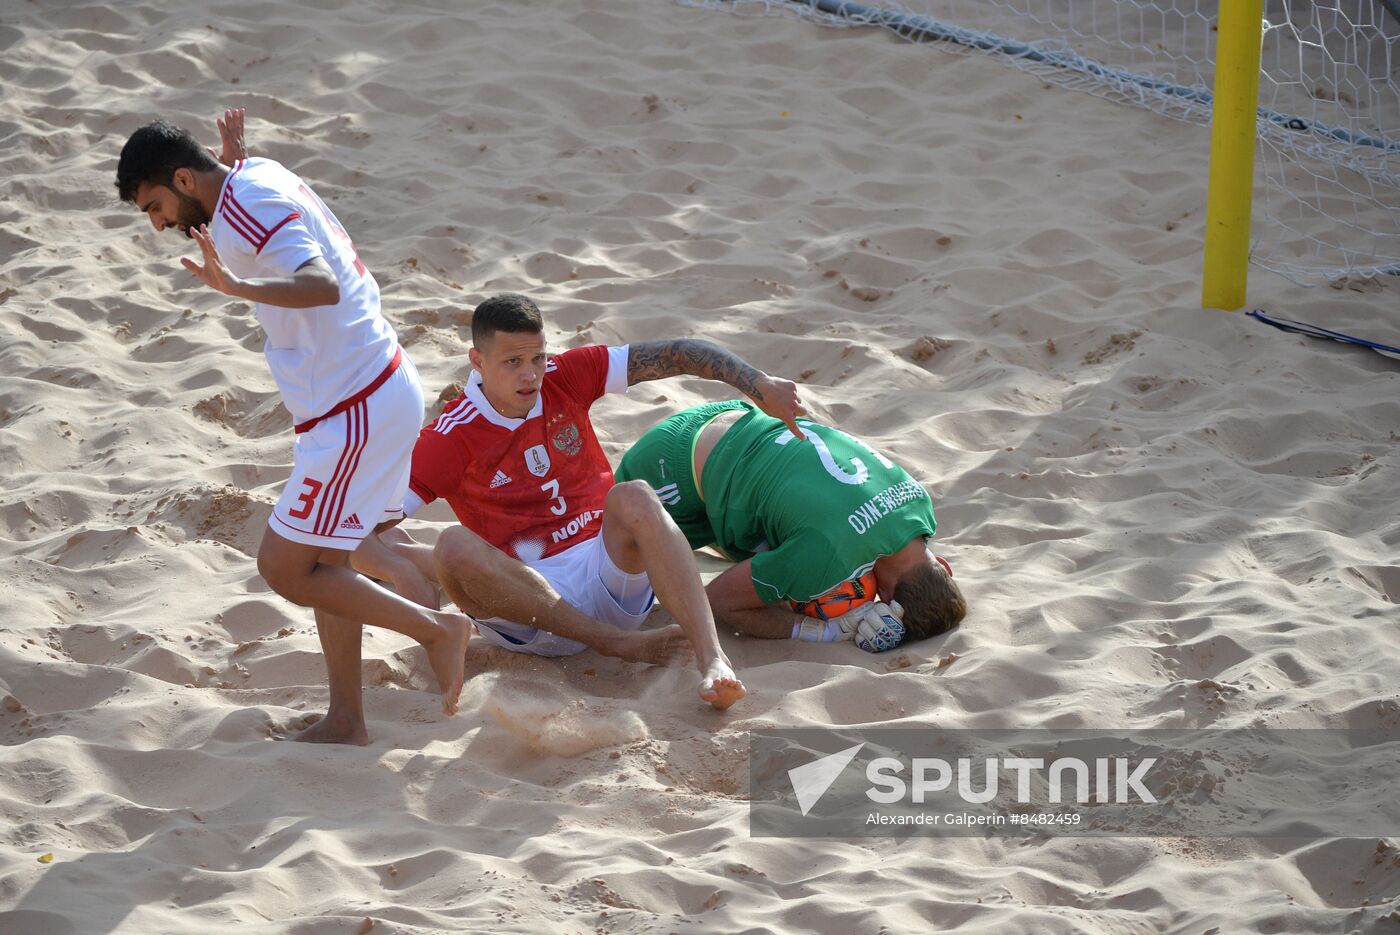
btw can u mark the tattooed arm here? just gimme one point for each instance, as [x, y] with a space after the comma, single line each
[654, 360]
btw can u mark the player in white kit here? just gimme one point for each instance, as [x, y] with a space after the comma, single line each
[353, 394]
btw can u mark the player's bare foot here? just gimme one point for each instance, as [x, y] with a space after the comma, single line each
[666, 646]
[326, 729]
[447, 655]
[720, 686]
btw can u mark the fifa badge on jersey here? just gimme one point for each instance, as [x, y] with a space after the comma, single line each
[537, 460]
[568, 440]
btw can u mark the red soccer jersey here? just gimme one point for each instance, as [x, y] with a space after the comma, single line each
[535, 486]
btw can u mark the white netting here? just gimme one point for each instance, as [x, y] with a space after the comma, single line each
[1327, 182]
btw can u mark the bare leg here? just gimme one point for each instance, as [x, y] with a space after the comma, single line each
[419, 555]
[344, 721]
[485, 582]
[390, 554]
[321, 579]
[640, 536]
[345, 717]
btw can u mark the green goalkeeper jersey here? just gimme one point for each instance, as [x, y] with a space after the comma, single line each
[811, 514]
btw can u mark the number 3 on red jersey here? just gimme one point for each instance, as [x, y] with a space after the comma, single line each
[558, 507]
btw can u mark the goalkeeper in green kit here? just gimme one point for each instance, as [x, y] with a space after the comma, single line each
[828, 534]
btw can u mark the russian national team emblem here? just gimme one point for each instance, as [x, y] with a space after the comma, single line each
[568, 440]
[537, 460]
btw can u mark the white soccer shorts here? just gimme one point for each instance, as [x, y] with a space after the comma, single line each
[350, 471]
[585, 577]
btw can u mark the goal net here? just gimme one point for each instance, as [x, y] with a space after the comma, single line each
[1327, 178]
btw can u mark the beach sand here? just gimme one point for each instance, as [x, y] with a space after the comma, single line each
[1162, 516]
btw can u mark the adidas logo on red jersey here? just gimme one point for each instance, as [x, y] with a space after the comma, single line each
[500, 480]
[353, 522]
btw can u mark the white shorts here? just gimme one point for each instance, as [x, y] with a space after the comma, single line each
[585, 577]
[350, 471]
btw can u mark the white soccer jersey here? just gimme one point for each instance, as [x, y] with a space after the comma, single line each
[269, 223]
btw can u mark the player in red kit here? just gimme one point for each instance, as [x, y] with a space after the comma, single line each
[517, 460]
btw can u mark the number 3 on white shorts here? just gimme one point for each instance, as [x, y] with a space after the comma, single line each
[861, 473]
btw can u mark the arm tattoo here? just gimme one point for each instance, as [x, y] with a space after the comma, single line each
[654, 360]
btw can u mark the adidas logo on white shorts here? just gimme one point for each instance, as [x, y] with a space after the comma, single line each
[353, 522]
[500, 480]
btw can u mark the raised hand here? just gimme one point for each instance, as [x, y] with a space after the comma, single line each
[213, 273]
[231, 135]
[779, 398]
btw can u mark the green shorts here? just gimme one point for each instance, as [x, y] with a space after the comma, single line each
[665, 459]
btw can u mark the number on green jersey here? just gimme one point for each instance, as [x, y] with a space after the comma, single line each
[855, 477]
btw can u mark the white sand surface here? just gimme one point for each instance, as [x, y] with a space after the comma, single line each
[1162, 516]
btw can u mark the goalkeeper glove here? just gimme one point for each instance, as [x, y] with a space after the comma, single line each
[877, 626]
[874, 626]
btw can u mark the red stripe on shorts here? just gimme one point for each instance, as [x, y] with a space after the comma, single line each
[336, 479]
[361, 416]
